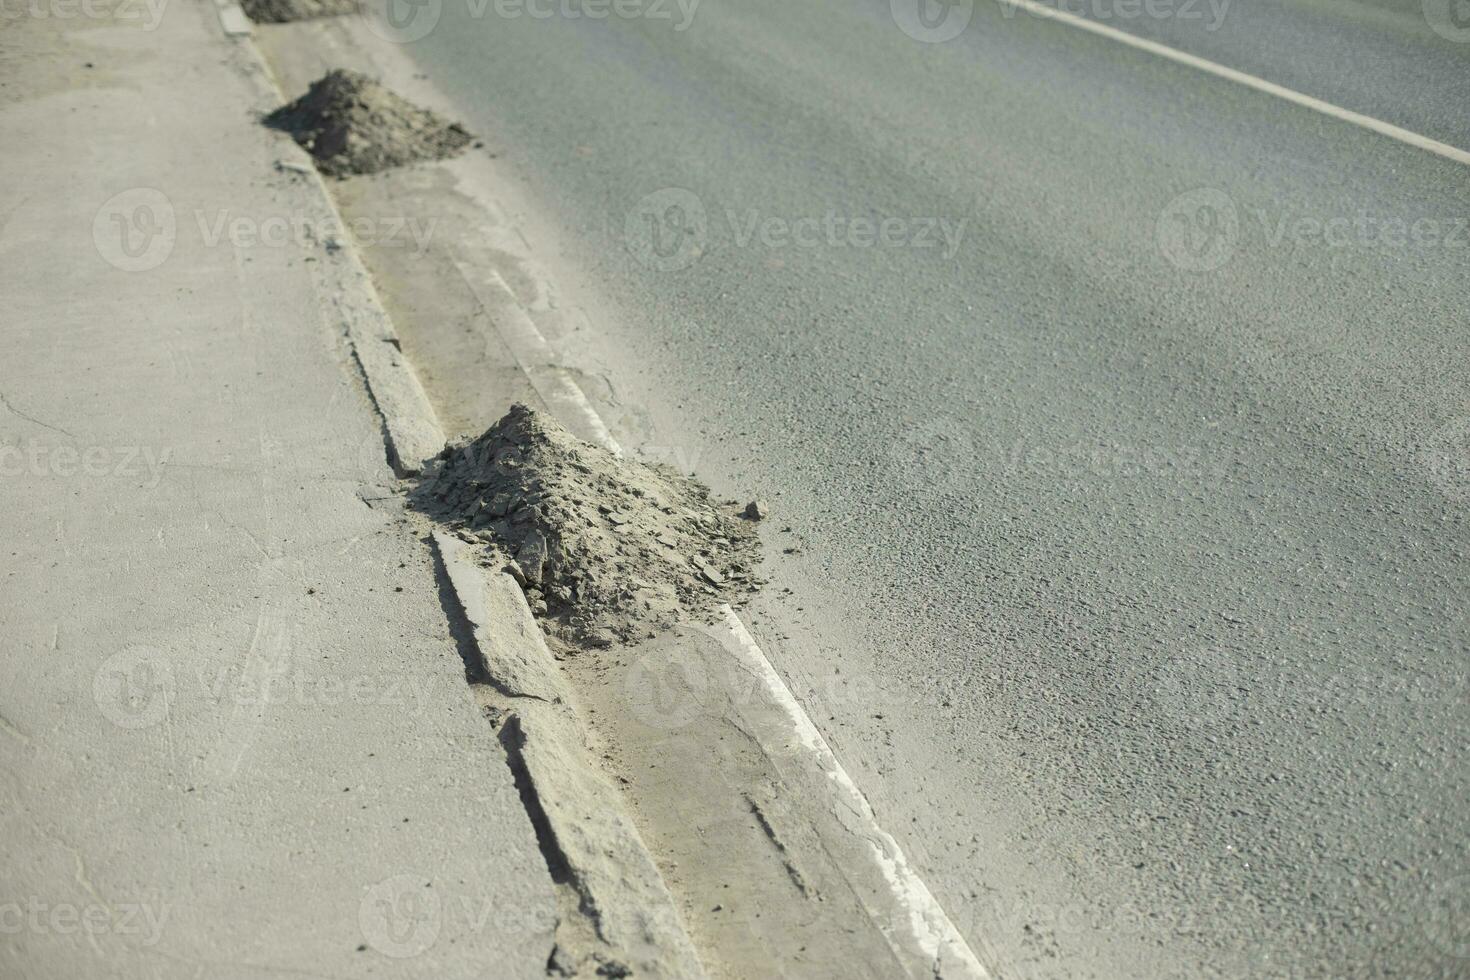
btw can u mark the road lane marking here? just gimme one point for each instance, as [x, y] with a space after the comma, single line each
[534, 355]
[1250, 81]
[929, 926]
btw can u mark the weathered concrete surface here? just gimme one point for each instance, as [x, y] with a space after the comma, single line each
[235, 735]
[617, 913]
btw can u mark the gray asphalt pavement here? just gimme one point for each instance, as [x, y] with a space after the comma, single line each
[1120, 417]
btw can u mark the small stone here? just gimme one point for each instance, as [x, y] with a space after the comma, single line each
[532, 556]
[757, 510]
[618, 517]
[711, 576]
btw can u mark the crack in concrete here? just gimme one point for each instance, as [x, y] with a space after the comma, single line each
[5, 400]
[792, 871]
[14, 732]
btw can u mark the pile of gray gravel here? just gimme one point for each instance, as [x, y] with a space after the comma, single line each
[285, 11]
[353, 125]
[607, 549]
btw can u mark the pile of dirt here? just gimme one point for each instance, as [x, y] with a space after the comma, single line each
[285, 11]
[353, 125]
[606, 548]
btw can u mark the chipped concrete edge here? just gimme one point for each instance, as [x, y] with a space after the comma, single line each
[918, 929]
[630, 917]
[923, 929]
[411, 429]
[583, 825]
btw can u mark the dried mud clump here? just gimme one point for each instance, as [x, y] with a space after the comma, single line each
[285, 11]
[352, 125]
[607, 549]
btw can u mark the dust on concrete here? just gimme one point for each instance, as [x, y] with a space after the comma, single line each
[607, 549]
[353, 125]
[286, 11]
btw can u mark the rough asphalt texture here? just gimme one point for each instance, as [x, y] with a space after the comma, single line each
[1151, 531]
[350, 124]
[607, 549]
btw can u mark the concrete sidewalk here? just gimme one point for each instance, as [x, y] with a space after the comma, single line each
[235, 734]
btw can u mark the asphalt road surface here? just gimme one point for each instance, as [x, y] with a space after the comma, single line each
[1119, 414]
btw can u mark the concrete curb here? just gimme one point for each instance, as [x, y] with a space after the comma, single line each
[411, 429]
[917, 929]
[614, 904]
[611, 884]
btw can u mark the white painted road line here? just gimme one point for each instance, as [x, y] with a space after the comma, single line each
[534, 355]
[929, 926]
[1250, 81]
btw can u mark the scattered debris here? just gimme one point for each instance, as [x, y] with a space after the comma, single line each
[285, 11]
[607, 549]
[352, 125]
